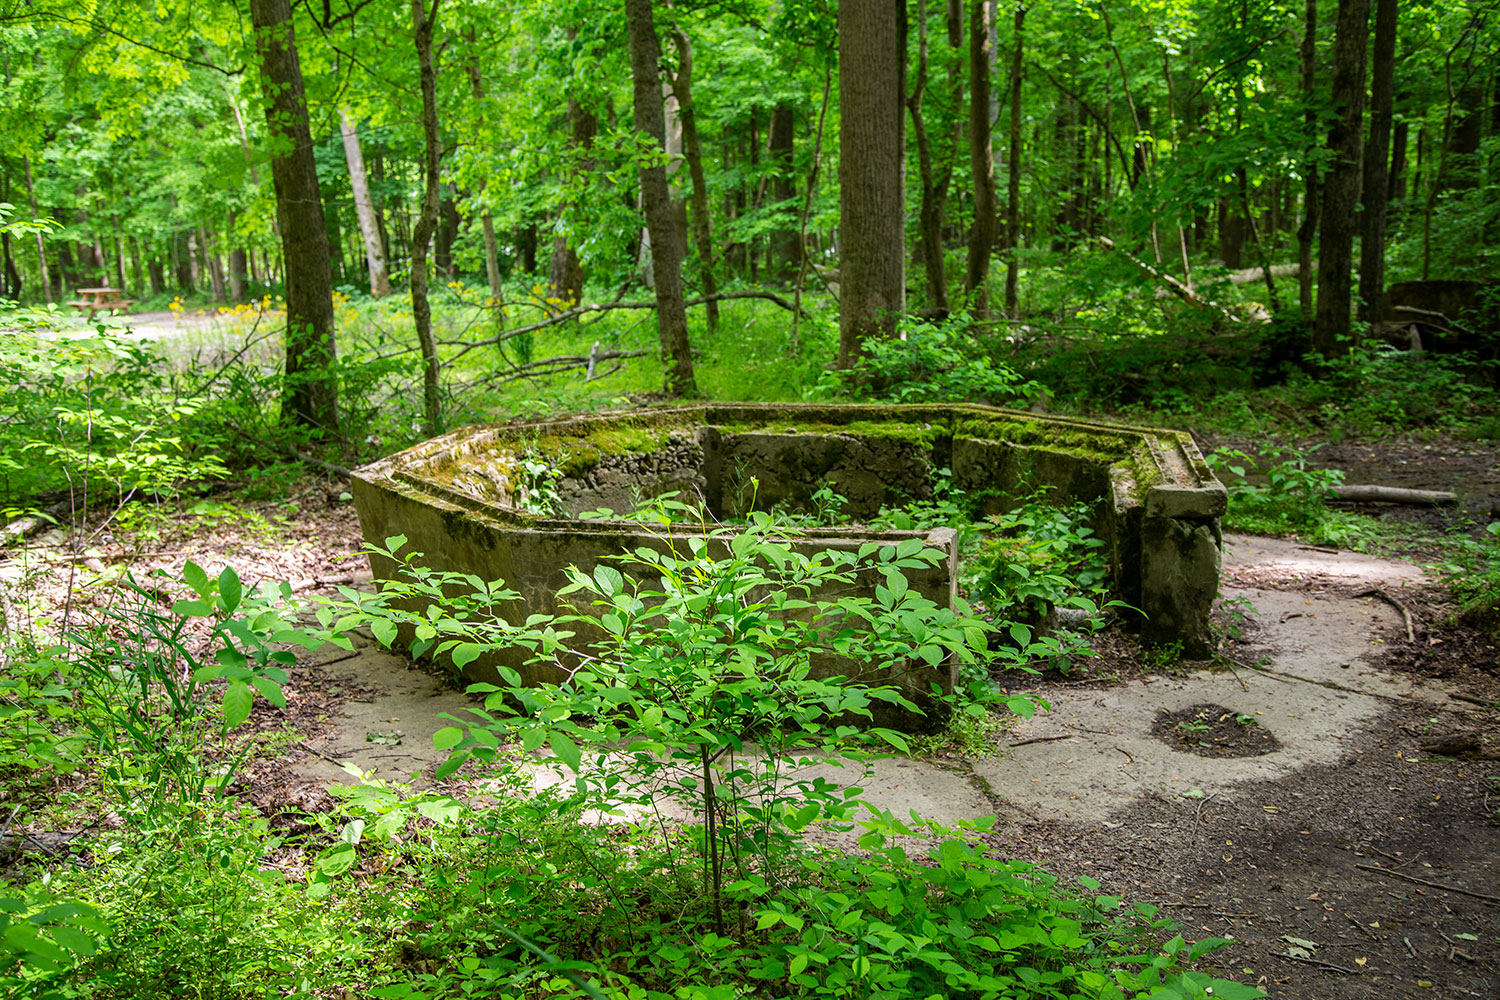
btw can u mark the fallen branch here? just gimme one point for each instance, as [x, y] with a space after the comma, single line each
[1492, 900]
[1042, 739]
[1176, 287]
[1394, 494]
[576, 312]
[1411, 635]
[23, 528]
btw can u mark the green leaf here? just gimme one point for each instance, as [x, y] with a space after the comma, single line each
[384, 630]
[237, 701]
[337, 860]
[269, 690]
[229, 589]
[194, 577]
[566, 750]
[465, 653]
[447, 738]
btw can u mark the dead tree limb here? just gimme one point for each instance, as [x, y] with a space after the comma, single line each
[1175, 286]
[1411, 635]
[578, 311]
[1394, 494]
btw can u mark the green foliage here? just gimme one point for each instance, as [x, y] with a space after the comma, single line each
[929, 363]
[1293, 499]
[42, 940]
[145, 681]
[1472, 568]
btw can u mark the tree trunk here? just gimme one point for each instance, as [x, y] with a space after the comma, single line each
[210, 264]
[1013, 214]
[1376, 185]
[783, 259]
[486, 219]
[872, 202]
[1341, 189]
[666, 256]
[565, 272]
[447, 233]
[364, 208]
[692, 150]
[41, 242]
[427, 219]
[1396, 182]
[934, 183]
[237, 274]
[986, 225]
[1308, 230]
[310, 397]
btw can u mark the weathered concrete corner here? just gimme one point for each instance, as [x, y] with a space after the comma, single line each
[460, 498]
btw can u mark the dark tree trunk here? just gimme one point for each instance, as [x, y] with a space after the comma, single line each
[1341, 189]
[872, 203]
[526, 247]
[237, 274]
[447, 234]
[986, 225]
[310, 397]
[182, 262]
[1013, 212]
[427, 219]
[41, 242]
[1396, 183]
[692, 150]
[934, 181]
[157, 274]
[1311, 195]
[666, 250]
[486, 220]
[565, 272]
[783, 261]
[1375, 184]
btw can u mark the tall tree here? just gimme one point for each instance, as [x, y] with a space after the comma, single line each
[1376, 166]
[935, 179]
[1013, 179]
[986, 225]
[364, 207]
[692, 151]
[1311, 200]
[666, 247]
[872, 200]
[427, 220]
[1341, 188]
[310, 397]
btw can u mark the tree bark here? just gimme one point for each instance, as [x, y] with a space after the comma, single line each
[565, 271]
[1013, 214]
[986, 225]
[427, 219]
[1341, 189]
[666, 250]
[486, 219]
[1376, 166]
[692, 150]
[364, 208]
[1308, 230]
[310, 396]
[934, 182]
[872, 202]
[783, 249]
[41, 241]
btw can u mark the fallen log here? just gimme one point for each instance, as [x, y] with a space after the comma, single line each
[1394, 494]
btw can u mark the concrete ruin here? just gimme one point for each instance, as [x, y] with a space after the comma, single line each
[462, 499]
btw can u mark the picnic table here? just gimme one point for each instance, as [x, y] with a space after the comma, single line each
[101, 299]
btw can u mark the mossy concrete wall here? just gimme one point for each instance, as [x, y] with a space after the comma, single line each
[458, 498]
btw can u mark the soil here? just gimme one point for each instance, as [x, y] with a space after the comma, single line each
[1214, 731]
[1366, 868]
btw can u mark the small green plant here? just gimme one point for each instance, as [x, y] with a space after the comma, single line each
[1293, 500]
[929, 363]
[1040, 557]
[1193, 726]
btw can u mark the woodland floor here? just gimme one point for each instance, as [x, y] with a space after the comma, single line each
[1370, 873]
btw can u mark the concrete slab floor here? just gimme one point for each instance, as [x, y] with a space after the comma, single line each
[1314, 687]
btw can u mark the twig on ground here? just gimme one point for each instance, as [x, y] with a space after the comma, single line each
[1411, 635]
[1492, 900]
[1318, 962]
[1043, 739]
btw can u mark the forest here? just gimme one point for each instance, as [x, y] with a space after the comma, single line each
[248, 248]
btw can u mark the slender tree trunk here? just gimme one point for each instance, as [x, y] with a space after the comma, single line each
[364, 207]
[1307, 231]
[692, 150]
[427, 220]
[1396, 183]
[210, 263]
[41, 242]
[986, 225]
[565, 271]
[311, 396]
[1341, 189]
[237, 274]
[1375, 186]
[486, 219]
[872, 202]
[782, 255]
[1013, 215]
[666, 252]
[934, 183]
